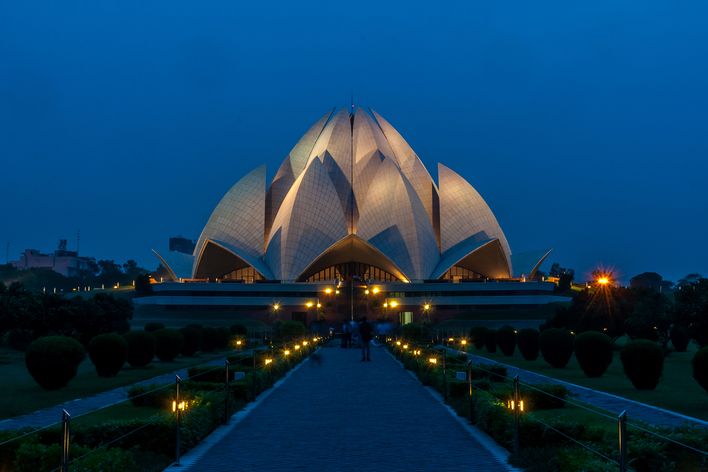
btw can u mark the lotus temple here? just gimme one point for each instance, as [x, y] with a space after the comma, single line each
[351, 224]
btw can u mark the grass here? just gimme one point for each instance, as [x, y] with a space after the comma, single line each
[677, 390]
[21, 394]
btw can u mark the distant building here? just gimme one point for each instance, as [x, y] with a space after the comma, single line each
[65, 262]
[182, 244]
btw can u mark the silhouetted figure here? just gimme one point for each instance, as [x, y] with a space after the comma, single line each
[346, 334]
[366, 332]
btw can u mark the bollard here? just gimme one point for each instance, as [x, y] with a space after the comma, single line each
[469, 389]
[622, 436]
[226, 393]
[178, 412]
[517, 409]
[66, 431]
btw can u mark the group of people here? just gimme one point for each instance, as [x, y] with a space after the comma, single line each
[360, 333]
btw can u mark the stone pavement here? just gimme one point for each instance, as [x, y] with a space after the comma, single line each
[338, 413]
[611, 403]
[79, 406]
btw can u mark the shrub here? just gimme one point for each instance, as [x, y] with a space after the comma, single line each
[593, 350]
[643, 363]
[538, 400]
[490, 340]
[478, 336]
[52, 360]
[168, 343]
[527, 340]
[680, 337]
[108, 353]
[141, 347]
[238, 330]
[700, 367]
[556, 346]
[151, 395]
[210, 339]
[153, 326]
[413, 332]
[290, 329]
[193, 339]
[506, 340]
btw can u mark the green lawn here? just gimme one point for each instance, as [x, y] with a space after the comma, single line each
[677, 390]
[21, 394]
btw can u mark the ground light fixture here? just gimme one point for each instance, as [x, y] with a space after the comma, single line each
[181, 406]
[297, 347]
[463, 342]
[393, 304]
[286, 352]
[405, 346]
[398, 343]
[511, 404]
[328, 290]
[376, 290]
[304, 343]
[433, 360]
[309, 304]
[268, 360]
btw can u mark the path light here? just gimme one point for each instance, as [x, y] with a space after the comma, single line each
[276, 306]
[336, 292]
[393, 304]
[304, 343]
[385, 305]
[398, 343]
[328, 290]
[366, 292]
[181, 406]
[426, 307]
[510, 404]
[286, 352]
[433, 360]
[268, 360]
[405, 346]
[309, 304]
[238, 342]
[376, 290]
[319, 305]
[297, 347]
[463, 342]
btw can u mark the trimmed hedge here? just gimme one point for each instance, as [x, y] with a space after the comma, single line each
[108, 353]
[527, 340]
[193, 338]
[53, 360]
[490, 340]
[593, 350]
[506, 340]
[680, 337]
[556, 346]
[141, 348]
[643, 362]
[168, 344]
[477, 336]
[209, 374]
[700, 367]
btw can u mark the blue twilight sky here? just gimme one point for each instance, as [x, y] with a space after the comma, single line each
[583, 124]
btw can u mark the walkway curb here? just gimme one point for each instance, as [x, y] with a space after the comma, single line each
[499, 453]
[197, 452]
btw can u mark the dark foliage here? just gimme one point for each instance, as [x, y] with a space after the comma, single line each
[53, 360]
[506, 340]
[490, 340]
[593, 350]
[141, 348]
[556, 346]
[193, 339]
[287, 330]
[700, 367]
[168, 343]
[527, 340]
[108, 353]
[680, 337]
[209, 374]
[213, 339]
[643, 363]
[478, 336]
[239, 330]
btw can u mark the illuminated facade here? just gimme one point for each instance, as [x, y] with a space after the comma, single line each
[351, 201]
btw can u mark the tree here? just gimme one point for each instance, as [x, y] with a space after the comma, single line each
[691, 308]
[647, 280]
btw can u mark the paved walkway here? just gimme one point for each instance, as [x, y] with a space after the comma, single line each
[50, 415]
[611, 403]
[342, 414]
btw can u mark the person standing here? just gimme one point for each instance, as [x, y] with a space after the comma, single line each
[366, 332]
[346, 334]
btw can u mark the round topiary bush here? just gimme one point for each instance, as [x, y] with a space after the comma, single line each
[506, 340]
[478, 336]
[527, 340]
[593, 350]
[490, 340]
[193, 338]
[108, 353]
[680, 337]
[556, 346]
[168, 343]
[700, 367]
[141, 348]
[52, 360]
[153, 326]
[643, 363]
